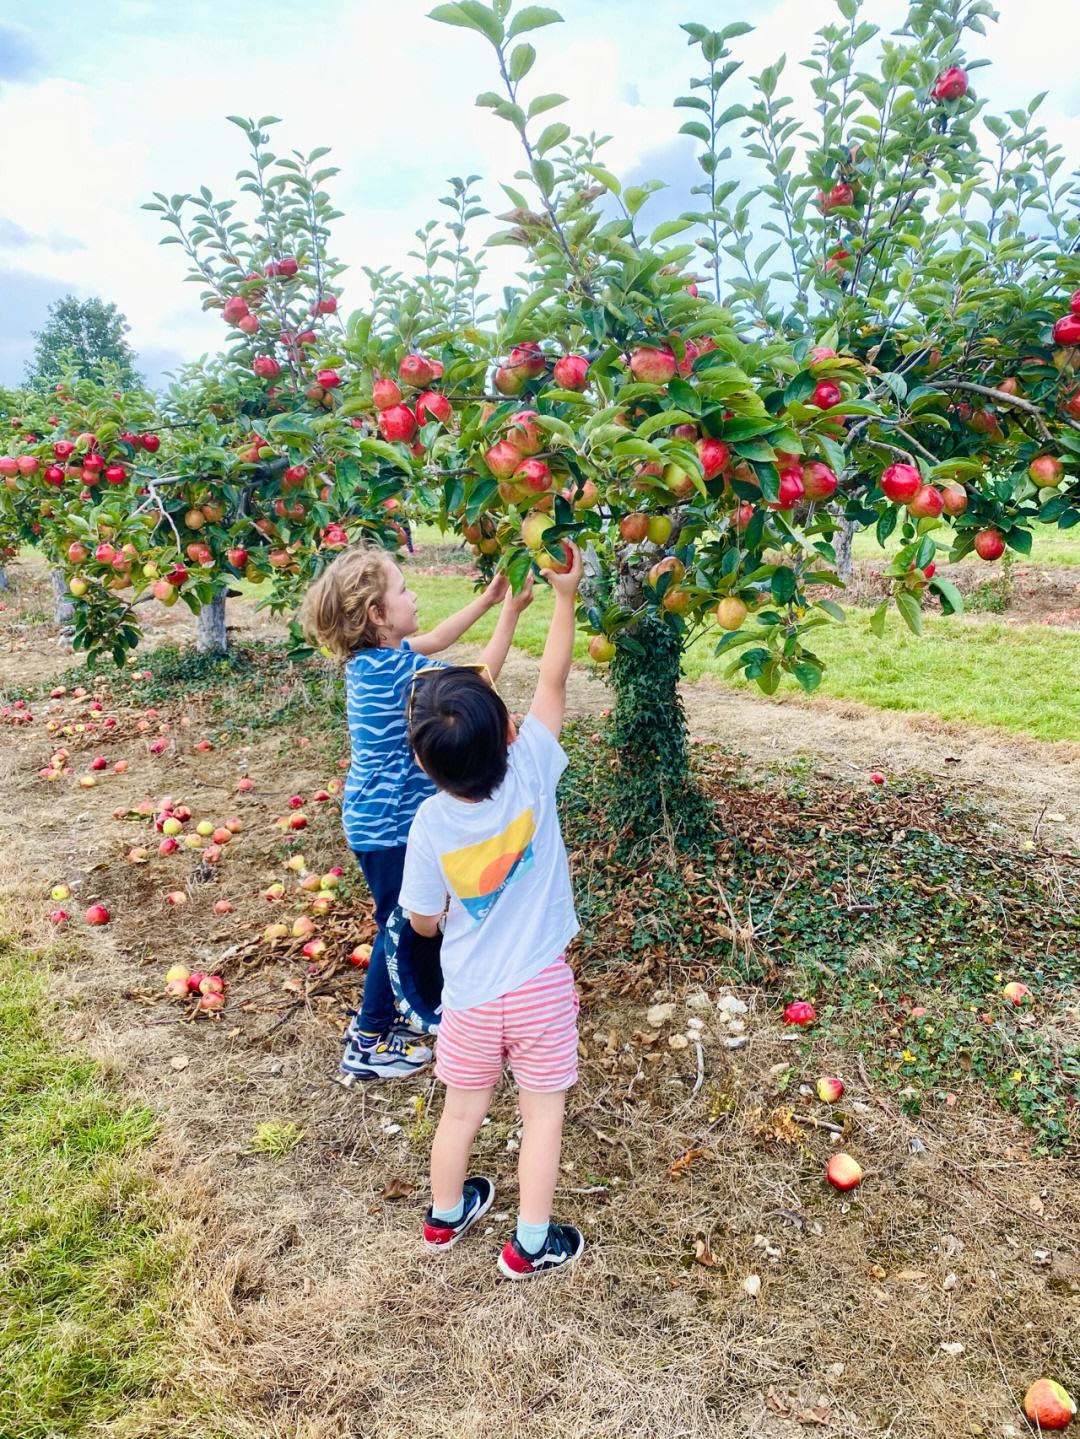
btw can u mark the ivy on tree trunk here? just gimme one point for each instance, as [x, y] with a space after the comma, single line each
[655, 793]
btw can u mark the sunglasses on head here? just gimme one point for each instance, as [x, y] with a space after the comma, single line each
[476, 669]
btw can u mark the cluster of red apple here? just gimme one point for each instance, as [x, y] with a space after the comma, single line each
[904, 485]
[96, 913]
[180, 983]
[322, 889]
[84, 459]
[169, 821]
[17, 713]
[397, 422]
[842, 1171]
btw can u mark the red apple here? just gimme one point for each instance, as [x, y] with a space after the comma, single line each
[1048, 1405]
[840, 194]
[385, 392]
[826, 395]
[901, 483]
[432, 405]
[266, 367]
[634, 528]
[819, 481]
[951, 84]
[97, 914]
[843, 1172]
[829, 1089]
[652, 366]
[360, 956]
[1046, 470]
[1067, 330]
[328, 379]
[954, 499]
[800, 1012]
[571, 372]
[791, 490]
[534, 476]
[397, 422]
[926, 503]
[989, 544]
[714, 455]
[876, 777]
[1016, 993]
[416, 370]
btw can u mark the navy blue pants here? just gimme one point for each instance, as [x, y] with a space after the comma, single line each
[383, 870]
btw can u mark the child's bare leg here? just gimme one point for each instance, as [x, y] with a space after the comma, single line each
[538, 1162]
[463, 1113]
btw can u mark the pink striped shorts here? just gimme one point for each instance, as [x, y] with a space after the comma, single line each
[534, 1028]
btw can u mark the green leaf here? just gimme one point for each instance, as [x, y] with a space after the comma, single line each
[910, 610]
[553, 135]
[697, 130]
[832, 608]
[545, 102]
[386, 452]
[482, 19]
[1019, 540]
[521, 61]
[877, 619]
[809, 674]
[783, 584]
[604, 177]
[533, 17]
[669, 228]
[952, 601]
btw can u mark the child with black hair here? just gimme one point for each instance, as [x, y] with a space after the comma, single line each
[486, 861]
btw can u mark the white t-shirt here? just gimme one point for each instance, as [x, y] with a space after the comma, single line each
[503, 864]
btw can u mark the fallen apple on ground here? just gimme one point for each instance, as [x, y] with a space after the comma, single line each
[1048, 1405]
[97, 914]
[360, 956]
[800, 1012]
[1017, 993]
[829, 1089]
[843, 1172]
[222, 906]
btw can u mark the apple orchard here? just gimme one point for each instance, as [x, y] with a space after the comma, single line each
[880, 330]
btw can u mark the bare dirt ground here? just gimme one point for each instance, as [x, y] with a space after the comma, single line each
[727, 1290]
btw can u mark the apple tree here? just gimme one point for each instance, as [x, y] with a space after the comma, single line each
[897, 353]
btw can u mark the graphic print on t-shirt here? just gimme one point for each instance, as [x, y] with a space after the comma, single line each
[479, 873]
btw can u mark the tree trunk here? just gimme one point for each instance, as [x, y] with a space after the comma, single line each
[655, 794]
[63, 606]
[211, 636]
[845, 533]
[5, 582]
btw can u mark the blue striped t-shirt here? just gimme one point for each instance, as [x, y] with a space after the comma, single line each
[385, 786]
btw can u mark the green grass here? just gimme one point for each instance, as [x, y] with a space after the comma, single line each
[1020, 678]
[88, 1252]
[1052, 546]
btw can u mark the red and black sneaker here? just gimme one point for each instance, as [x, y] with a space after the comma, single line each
[478, 1195]
[562, 1246]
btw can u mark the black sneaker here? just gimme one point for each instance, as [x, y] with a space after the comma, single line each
[382, 1056]
[562, 1246]
[478, 1194]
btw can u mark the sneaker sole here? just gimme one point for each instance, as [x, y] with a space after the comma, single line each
[442, 1248]
[350, 1077]
[513, 1274]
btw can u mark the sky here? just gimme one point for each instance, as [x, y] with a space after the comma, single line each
[102, 102]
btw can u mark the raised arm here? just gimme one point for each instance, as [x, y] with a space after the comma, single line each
[498, 646]
[451, 629]
[549, 701]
